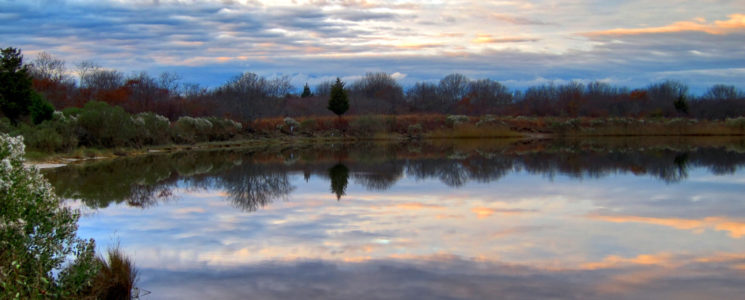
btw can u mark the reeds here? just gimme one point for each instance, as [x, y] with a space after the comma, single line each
[116, 278]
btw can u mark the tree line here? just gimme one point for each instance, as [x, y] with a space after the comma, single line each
[249, 96]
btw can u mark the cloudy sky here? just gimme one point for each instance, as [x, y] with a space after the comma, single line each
[519, 43]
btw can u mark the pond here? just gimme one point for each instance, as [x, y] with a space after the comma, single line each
[606, 218]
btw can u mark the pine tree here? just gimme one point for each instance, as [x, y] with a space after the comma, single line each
[338, 101]
[306, 91]
[15, 84]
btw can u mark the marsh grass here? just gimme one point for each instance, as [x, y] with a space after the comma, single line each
[471, 131]
[116, 277]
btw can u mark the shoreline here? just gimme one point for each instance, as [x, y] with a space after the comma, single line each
[57, 160]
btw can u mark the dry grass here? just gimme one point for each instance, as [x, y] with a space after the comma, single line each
[471, 131]
[117, 276]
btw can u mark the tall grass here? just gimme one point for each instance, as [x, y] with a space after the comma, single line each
[116, 278]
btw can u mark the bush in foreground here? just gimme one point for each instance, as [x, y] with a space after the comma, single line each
[41, 255]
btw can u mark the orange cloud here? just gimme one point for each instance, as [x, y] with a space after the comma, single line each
[664, 259]
[417, 206]
[734, 23]
[735, 229]
[489, 39]
[484, 212]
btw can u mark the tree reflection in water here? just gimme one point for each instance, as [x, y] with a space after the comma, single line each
[252, 180]
[251, 186]
[339, 175]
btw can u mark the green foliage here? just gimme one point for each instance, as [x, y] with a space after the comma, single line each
[338, 100]
[152, 129]
[223, 129]
[42, 138]
[15, 85]
[191, 130]
[103, 125]
[41, 110]
[5, 126]
[37, 234]
[306, 91]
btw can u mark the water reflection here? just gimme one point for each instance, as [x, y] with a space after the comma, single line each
[339, 177]
[253, 179]
[553, 219]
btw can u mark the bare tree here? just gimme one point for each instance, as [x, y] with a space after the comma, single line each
[48, 67]
[424, 97]
[723, 92]
[324, 88]
[377, 93]
[85, 68]
[488, 94]
[453, 88]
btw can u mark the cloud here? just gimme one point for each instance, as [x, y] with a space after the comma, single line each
[484, 212]
[736, 229]
[519, 20]
[210, 41]
[448, 277]
[735, 23]
[489, 39]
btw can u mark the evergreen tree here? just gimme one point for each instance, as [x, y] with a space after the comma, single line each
[40, 109]
[339, 100]
[15, 85]
[306, 91]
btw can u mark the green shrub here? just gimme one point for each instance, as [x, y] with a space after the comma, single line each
[106, 126]
[40, 109]
[152, 129]
[38, 235]
[191, 130]
[42, 138]
[223, 129]
[5, 126]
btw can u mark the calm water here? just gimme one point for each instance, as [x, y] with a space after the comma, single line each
[616, 219]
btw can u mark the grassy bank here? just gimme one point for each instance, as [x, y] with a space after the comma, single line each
[99, 130]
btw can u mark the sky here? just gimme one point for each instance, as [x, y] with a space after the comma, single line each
[519, 43]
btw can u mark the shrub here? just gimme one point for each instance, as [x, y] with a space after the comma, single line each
[486, 120]
[223, 129]
[107, 126]
[40, 109]
[116, 277]
[737, 123]
[308, 125]
[453, 120]
[190, 130]
[42, 138]
[5, 126]
[367, 125]
[291, 124]
[152, 129]
[37, 234]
